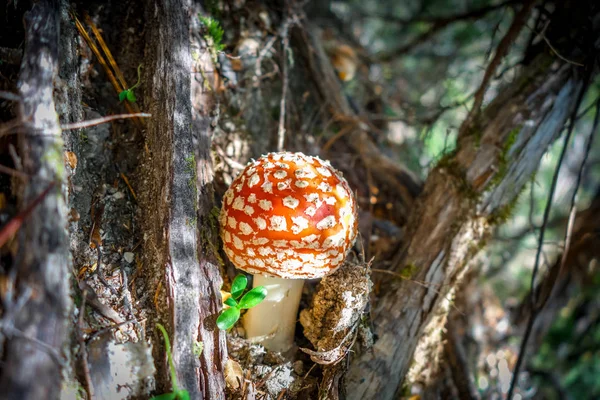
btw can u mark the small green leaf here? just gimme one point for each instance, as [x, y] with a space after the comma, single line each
[130, 96]
[253, 297]
[231, 302]
[197, 348]
[228, 318]
[239, 284]
[182, 395]
[166, 396]
[123, 95]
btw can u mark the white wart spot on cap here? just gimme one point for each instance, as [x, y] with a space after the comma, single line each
[310, 211]
[260, 223]
[330, 200]
[249, 210]
[307, 257]
[265, 204]
[284, 185]
[292, 264]
[227, 237]
[326, 223]
[229, 196]
[254, 180]
[231, 222]
[267, 187]
[280, 243]
[305, 173]
[342, 192]
[238, 204]
[310, 238]
[301, 184]
[311, 197]
[291, 202]
[300, 223]
[240, 262]
[246, 229]
[324, 171]
[260, 241]
[252, 198]
[324, 186]
[280, 174]
[336, 240]
[278, 223]
[237, 243]
[250, 252]
[265, 251]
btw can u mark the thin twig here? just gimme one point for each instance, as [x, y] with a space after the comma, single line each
[542, 34]
[102, 120]
[467, 15]
[438, 23]
[106, 51]
[534, 293]
[83, 350]
[518, 22]
[14, 172]
[9, 96]
[113, 326]
[128, 185]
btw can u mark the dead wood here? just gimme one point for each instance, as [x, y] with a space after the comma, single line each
[35, 313]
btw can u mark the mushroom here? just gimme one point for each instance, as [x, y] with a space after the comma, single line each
[287, 217]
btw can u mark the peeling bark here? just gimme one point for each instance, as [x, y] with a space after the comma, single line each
[36, 314]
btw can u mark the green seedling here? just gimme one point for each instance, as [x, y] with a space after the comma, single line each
[128, 93]
[176, 394]
[214, 32]
[237, 302]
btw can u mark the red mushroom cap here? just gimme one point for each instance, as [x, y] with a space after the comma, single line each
[288, 215]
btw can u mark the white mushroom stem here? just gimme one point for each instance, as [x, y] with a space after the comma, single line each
[272, 323]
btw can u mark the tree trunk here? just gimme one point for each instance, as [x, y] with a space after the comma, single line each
[37, 304]
[464, 197]
[189, 275]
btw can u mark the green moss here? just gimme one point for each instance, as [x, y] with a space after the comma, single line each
[83, 137]
[503, 158]
[449, 164]
[209, 234]
[53, 156]
[197, 348]
[213, 35]
[504, 213]
[190, 166]
[408, 271]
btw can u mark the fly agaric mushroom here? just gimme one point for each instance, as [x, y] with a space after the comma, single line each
[287, 217]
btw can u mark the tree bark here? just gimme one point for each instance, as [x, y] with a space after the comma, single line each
[37, 313]
[464, 196]
[191, 280]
